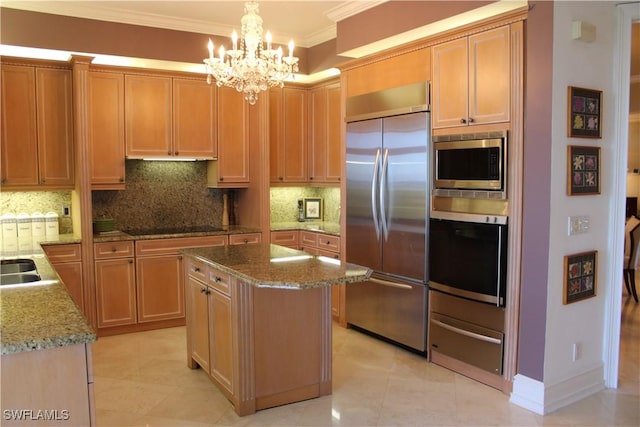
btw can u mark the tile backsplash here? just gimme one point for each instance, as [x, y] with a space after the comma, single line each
[16, 202]
[159, 195]
[284, 202]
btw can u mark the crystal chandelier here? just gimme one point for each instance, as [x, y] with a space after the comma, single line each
[249, 67]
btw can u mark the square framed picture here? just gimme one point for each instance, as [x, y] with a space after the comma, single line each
[579, 276]
[584, 119]
[583, 170]
[312, 208]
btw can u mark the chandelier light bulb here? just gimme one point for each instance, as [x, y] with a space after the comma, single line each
[249, 67]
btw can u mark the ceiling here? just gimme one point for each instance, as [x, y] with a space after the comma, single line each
[306, 22]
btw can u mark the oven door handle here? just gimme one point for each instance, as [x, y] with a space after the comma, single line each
[498, 299]
[466, 333]
[374, 191]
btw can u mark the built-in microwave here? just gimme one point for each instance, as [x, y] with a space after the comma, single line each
[470, 165]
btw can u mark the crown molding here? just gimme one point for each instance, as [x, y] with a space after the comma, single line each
[351, 8]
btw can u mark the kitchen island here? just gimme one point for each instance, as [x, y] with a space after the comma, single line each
[259, 321]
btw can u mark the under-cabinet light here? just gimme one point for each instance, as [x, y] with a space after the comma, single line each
[169, 159]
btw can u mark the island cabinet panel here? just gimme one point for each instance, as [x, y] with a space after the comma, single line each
[37, 128]
[67, 261]
[471, 80]
[221, 338]
[148, 116]
[198, 321]
[105, 123]
[56, 380]
[288, 135]
[194, 119]
[231, 170]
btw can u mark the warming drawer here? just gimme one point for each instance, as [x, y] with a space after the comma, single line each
[470, 343]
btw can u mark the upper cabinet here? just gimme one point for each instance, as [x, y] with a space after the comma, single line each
[169, 117]
[288, 135]
[37, 128]
[471, 80]
[324, 134]
[231, 170]
[105, 117]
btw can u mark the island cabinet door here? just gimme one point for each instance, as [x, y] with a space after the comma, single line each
[160, 288]
[198, 322]
[115, 292]
[221, 330]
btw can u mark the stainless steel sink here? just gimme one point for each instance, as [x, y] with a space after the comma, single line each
[21, 265]
[18, 278]
[18, 271]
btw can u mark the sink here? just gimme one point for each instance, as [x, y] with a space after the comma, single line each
[18, 278]
[12, 266]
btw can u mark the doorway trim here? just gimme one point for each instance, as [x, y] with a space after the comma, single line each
[626, 15]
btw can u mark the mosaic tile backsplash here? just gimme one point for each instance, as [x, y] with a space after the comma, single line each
[160, 195]
[17, 202]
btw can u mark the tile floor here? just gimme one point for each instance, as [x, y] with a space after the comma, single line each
[142, 380]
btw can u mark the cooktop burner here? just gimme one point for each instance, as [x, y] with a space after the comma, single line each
[173, 230]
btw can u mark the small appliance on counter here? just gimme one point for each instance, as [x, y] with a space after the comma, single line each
[300, 211]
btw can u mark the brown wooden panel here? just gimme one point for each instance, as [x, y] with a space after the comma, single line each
[113, 250]
[63, 253]
[160, 288]
[243, 239]
[194, 119]
[173, 245]
[115, 292]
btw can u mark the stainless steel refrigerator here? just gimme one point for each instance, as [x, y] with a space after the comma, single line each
[387, 172]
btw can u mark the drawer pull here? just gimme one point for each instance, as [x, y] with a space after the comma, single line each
[113, 249]
[217, 279]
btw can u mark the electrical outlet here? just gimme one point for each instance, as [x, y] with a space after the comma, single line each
[66, 211]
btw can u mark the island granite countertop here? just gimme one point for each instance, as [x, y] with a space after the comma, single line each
[272, 266]
[35, 317]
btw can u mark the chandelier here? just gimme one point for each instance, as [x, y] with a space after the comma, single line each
[248, 66]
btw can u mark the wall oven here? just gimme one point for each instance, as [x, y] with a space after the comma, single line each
[468, 255]
[470, 165]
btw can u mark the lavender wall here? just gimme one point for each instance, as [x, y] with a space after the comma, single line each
[536, 191]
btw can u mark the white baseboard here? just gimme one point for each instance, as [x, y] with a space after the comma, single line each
[543, 399]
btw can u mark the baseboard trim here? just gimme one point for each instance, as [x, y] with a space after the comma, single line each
[536, 397]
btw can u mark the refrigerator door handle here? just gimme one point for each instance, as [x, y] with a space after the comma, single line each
[382, 191]
[374, 191]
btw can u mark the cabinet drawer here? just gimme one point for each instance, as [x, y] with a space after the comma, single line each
[63, 253]
[172, 246]
[113, 250]
[328, 242]
[198, 270]
[329, 254]
[219, 280]
[309, 239]
[241, 239]
[285, 238]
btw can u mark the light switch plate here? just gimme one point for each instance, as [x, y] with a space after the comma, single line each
[579, 224]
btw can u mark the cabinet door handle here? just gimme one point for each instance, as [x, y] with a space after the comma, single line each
[217, 279]
[121, 180]
[246, 241]
[208, 292]
[221, 178]
[328, 242]
[130, 261]
[113, 249]
[463, 121]
[471, 120]
[203, 291]
[176, 153]
[280, 178]
[196, 269]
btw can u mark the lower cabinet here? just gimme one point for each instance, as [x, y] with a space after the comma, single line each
[115, 277]
[67, 261]
[160, 287]
[288, 238]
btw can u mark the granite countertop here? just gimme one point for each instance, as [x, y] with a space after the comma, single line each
[114, 236]
[273, 266]
[322, 227]
[36, 317]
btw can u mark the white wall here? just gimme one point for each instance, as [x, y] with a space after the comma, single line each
[588, 65]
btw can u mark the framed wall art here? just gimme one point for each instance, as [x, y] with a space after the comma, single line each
[312, 208]
[584, 119]
[579, 276]
[583, 170]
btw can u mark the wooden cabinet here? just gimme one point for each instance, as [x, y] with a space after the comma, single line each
[231, 170]
[148, 116]
[325, 126]
[288, 135]
[115, 283]
[243, 239]
[194, 119]
[210, 323]
[105, 122]
[67, 261]
[37, 128]
[471, 80]
[57, 381]
[288, 238]
[169, 117]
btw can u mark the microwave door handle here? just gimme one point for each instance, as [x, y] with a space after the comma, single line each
[499, 265]
[374, 191]
[383, 187]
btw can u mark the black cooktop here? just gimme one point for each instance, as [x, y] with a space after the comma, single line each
[173, 230]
